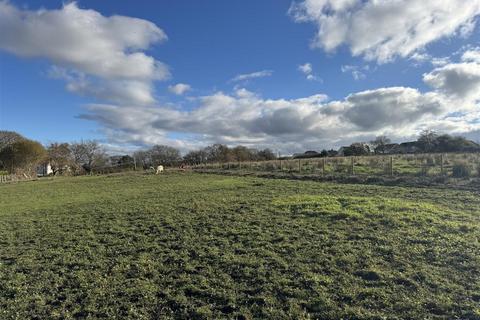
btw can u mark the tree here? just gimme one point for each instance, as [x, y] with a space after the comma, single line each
[164, 155]
[357, 149]
[380, 143]
[22, 156]
[448, 143]
[88, 155]
[60, 156]
[143, 158]
[125, 160]
[239, 153]
[332, 153]
[195, 157]
[427, 140]
[266, 154]
[9, 137]
[218, 153]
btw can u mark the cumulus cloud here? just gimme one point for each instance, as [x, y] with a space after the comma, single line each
[253, 75]
[287, 125]
[392, 107]
[383, 30]
[100, 51]
[458, 80]
[179, 89]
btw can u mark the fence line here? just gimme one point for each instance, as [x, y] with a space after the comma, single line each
[14, 178]
[438, 164]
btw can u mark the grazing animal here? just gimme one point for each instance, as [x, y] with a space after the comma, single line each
[159, 169]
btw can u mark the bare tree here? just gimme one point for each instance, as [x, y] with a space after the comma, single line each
[143, 158]
[164, 155]
[88, 154]
[60, 156]
[196, 157]
[380, 143]
[428, 140]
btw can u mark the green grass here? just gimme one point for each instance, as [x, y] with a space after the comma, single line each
[208, 246]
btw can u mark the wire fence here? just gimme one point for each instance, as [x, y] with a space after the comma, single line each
[448, 164]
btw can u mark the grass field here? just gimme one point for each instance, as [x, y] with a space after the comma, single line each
[186, 245]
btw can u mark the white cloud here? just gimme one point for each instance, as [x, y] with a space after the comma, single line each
[356, 71]
[440, 61]
[383, 30]
[100, 51]
[307, 70]
[458, 80]
[472, 55]
[285, 125]
[253, 75]
[179, 89]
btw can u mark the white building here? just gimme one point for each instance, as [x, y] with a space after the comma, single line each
[44, 169]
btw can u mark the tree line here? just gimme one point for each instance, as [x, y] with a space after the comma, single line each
[19, 155]
[166, 155]
[427, 142]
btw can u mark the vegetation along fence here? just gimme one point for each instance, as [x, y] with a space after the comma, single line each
[450, 164]
[5, 178]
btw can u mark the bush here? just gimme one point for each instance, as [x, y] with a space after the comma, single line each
[22, 156]
[462, 170]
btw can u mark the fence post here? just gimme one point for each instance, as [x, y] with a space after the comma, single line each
[323, 165]
[299, 165]
[441, 164]
[391, 165]
[352, 169]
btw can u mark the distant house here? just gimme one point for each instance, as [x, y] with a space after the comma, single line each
[408, 147]
[44, 169]
[341, 151]
[307, 154]
[389, 148]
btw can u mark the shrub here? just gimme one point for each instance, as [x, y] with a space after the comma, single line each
[462, 170]
[22, 156]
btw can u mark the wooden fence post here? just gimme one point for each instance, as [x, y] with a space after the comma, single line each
[391, 166]
[441, 164]
[323, 166]
[352, 169]
[299, 165]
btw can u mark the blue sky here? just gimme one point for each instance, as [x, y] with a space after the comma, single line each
[382, 75]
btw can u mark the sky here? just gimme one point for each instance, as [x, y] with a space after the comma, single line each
[287, 75]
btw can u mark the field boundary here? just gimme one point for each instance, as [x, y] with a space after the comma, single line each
[411, 165]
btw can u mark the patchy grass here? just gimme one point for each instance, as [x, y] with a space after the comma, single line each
[209, 246]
